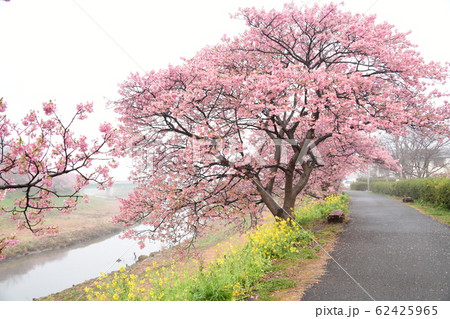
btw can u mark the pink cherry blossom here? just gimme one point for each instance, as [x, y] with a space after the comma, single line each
[49, 108]
[105, 128]
[36, 152]
[285, 109]
[2, 105]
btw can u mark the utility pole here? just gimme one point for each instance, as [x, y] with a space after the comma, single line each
[368, 178]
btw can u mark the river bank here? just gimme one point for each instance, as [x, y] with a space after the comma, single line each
[89, 221]
[285, 279]
[40, 274]
[288, 279]
[64, 239]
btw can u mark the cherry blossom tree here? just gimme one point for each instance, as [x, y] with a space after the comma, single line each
[284, 109]
[41, 149]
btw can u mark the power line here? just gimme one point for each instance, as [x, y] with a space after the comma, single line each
[107, 34]
[372, 5]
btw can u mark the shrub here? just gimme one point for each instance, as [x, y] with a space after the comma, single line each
[358, 186]
[376, 179]
[443, 193]
[382, 187]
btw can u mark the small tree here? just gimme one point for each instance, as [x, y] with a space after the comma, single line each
[283, 109]
[40, 150]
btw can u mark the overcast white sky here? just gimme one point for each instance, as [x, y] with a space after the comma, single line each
[74, 51]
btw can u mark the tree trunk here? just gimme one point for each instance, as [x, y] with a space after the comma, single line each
[288, 206]
[276, 210]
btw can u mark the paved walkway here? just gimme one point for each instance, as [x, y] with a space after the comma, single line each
[393, 251]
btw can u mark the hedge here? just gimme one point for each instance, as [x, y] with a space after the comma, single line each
[382, 187]
[359, 186]
[376, 179]
[361, 182]
[434, 190]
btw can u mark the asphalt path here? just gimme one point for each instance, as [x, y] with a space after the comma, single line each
[388, 251]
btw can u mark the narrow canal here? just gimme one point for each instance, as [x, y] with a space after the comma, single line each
[38, 275]
[41, 274]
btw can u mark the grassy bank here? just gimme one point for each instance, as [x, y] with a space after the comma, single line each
[89, 221]
[438, 212]
[275, 258]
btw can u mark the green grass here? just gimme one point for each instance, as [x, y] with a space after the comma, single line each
[267, 288]
[308, 254]
[311, 211]
[440, 213]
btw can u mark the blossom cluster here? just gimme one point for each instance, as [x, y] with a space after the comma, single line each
[40, 150]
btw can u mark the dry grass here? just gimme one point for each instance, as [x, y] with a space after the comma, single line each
[89, 221]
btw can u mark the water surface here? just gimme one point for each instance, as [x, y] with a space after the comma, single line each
[38, 275]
